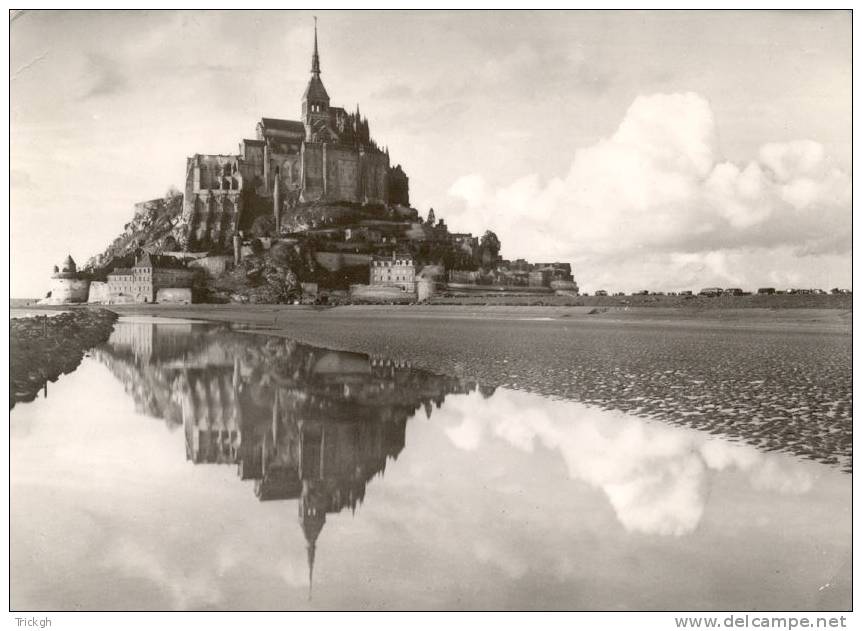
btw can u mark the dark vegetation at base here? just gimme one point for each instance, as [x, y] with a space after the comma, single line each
[333, 214]
[42, 348]
[274, 277]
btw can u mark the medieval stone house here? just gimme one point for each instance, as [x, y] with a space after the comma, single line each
[397, 271]
[150, 273]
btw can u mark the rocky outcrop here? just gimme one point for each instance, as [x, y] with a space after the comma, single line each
[258, 280]
[151, 227]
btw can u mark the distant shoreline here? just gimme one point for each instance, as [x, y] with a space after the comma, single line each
[503, 299]
[834, 319]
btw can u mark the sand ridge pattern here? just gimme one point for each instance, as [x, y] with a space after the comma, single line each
[779, 391]
[774, 386]
[771, 393]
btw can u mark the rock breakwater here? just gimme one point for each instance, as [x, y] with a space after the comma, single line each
[42, 348]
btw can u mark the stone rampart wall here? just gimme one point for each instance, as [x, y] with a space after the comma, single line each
[181, 295]
[213, 265]
[99, 293]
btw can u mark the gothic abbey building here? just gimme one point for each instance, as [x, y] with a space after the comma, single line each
[328, 156]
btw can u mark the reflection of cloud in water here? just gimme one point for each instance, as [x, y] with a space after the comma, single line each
[488, 551]
[654, 475]
[185, 589]
[492, 526]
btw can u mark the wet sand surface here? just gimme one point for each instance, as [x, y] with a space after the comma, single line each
[779, 380]
[209, 467]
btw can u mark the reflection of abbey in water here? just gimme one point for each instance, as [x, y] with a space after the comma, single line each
[303, 423]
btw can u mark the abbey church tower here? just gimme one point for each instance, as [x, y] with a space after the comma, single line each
[315, 100]
[327, 156]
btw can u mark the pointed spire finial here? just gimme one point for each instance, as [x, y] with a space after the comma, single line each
[315, 58]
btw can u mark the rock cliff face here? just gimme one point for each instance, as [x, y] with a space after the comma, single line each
[152, 226]
[258, 279]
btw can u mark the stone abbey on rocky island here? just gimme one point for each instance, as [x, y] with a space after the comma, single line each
[328, 156]
[307, 208]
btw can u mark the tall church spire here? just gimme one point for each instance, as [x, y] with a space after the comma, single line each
[315, 101]
[315, 58]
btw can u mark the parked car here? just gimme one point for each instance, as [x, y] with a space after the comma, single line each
[686, 292]
[766, 291]
[710, 291]
[601, 292]
[732, 291]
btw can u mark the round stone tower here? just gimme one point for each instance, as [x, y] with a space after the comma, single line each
[69, 266]
[67, 285]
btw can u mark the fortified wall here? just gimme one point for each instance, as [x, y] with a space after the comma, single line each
[66, 290]
[99, 293]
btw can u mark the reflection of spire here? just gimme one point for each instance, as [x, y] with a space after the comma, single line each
[312, 517]
[301, 422]
[310, 549]
[487, 391]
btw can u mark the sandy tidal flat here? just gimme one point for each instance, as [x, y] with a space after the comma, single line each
[779, 380]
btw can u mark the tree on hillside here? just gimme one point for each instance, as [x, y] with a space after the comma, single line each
[489, 246]
[263, 226]
[173, 205]
[286, 254]
[170, 244]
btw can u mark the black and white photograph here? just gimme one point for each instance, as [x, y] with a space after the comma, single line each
[418, 310]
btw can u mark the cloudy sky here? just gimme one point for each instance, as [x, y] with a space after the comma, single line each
[662, 150]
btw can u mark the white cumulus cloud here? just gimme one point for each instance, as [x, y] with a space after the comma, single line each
[656, 195]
